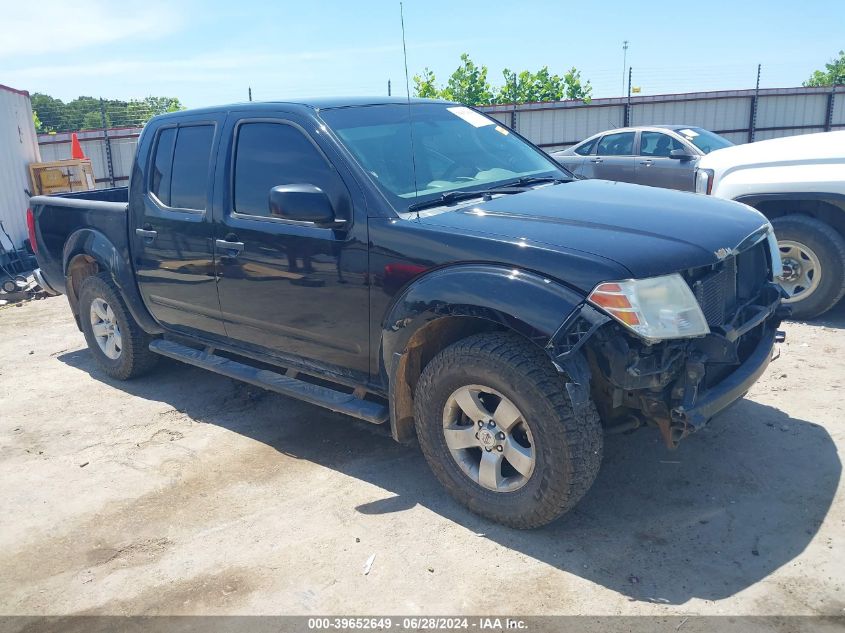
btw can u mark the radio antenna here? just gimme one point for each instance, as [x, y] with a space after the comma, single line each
[408, 96]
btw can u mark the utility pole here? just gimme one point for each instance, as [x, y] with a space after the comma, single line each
[628, 104]
[624, 63]
[752, 126]
[107, 140]
[250, 93]
[388, 88]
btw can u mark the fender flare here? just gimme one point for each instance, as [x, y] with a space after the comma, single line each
[115, 261]
[530, 304]
[547, 310]
[751, 199]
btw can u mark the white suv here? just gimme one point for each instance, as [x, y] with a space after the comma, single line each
[798, 183]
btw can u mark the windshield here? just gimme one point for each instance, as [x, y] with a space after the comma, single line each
[704, 140]
[454, 149]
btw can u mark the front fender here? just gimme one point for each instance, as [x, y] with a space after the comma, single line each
[114, 260]
[529, 304]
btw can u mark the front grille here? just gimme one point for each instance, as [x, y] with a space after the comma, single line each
[732, 282]
[716, 293]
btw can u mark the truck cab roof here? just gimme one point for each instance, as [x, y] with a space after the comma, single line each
[316, 104]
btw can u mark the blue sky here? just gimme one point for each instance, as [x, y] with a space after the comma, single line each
[210, 52]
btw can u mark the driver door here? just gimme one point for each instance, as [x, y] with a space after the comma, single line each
[286, 286]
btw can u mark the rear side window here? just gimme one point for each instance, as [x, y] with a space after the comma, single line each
[180, 166]
[272, 154]
[162, 162]
[621, 144]
[585, 149]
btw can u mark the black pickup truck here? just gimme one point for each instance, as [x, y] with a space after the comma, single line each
[424, 267]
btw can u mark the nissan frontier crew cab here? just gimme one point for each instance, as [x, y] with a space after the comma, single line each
[421, 266]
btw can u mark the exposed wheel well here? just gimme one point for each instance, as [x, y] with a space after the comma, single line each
[827, 212]
[79, 268]
[422, 347]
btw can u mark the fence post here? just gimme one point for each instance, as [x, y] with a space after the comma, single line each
[109, 162]
[752, 124]
[831, 100]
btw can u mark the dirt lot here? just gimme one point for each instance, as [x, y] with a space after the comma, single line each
[184, 492]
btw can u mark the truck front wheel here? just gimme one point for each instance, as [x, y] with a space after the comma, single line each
[496, 426]
[813, 257]
[117, 342]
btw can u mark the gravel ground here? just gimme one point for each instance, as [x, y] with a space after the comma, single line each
[187, 493]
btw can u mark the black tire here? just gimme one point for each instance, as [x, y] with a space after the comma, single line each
[829, 247]
[567, 447]
[135, 356]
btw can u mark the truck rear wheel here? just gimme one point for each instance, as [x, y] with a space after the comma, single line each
[496, 426]
[117, 342]
[813, 257]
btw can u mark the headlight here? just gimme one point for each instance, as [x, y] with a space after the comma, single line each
[704, 181]
[774, 253]
[655, 308]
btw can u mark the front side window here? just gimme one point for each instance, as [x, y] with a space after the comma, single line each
[658, 144]
[416, 154]
[180, 166]
[272, 154]
[620, 144]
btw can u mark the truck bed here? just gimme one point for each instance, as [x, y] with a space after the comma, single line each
[57, 217]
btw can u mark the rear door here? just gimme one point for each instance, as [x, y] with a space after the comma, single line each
[657, 169]
[172, 228]
[290, 287]
[615, 158]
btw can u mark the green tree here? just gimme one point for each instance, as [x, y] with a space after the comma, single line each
[527, 87]
[468, 84]
[86, 112]
[833, 76]
[425, 85]
[36, 122]
[575, 88]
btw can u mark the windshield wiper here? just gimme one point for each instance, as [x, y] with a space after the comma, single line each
[457, 196]
[526, 181]
[511, 187]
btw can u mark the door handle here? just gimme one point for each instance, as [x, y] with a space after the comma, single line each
[596, 160]
[148, 234]
[232, 249]
[647, 163]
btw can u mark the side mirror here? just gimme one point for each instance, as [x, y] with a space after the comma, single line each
[302, 203]
[679, 154]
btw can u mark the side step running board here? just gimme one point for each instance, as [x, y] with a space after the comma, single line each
[338, 401]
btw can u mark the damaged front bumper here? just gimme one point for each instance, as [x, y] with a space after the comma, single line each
[676, 385]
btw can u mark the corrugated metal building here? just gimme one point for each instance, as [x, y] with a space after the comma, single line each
[18, 148]
[739, 115]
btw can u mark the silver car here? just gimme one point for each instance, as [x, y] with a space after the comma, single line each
[656, 155]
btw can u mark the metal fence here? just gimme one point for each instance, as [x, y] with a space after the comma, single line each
[740, 115]
[111, 152]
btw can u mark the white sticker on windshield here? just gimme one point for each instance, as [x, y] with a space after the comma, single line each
[471, 116]
[690, 133]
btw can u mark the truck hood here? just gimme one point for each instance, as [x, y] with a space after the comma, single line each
[647, 230]
[821, 147]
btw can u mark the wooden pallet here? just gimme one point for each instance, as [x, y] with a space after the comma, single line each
[61, 175]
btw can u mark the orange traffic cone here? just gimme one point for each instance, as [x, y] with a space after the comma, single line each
[75, 147]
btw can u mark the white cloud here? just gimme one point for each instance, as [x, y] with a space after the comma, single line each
[56, 26]
[202, 67]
